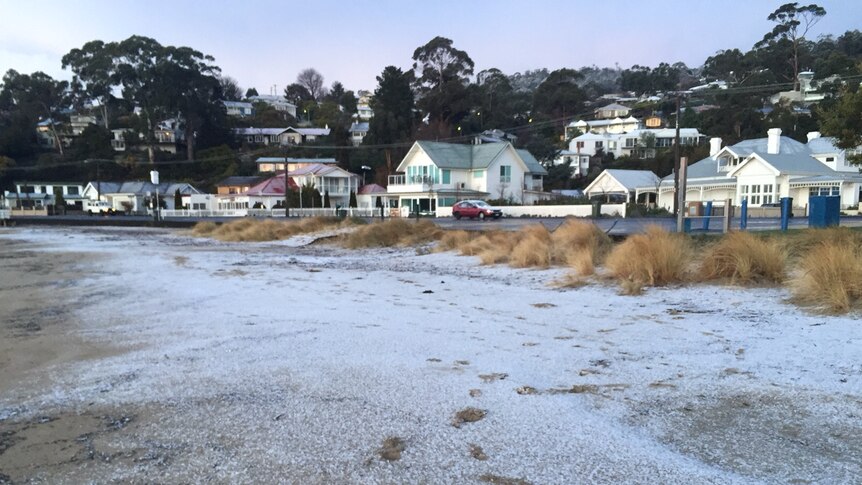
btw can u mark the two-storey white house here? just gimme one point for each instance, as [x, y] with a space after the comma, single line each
[435, 174]
[40, 194]
[240, 109]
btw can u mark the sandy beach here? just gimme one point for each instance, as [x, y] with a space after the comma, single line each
[142, 355]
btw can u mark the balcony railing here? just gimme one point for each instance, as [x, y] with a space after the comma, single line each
[412, 180]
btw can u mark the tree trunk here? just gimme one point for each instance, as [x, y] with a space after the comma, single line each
[151, 153]
[105, 115]
[190, 141]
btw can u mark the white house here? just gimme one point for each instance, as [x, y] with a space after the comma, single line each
[358, 130]
[280, 136]
[276, 164]
[41, 194]
[615, 125]
[764, 170]
[327, 178]
[134, 197]
[371, 196]
[617, 185]
[277, 102]
[363, 106]
[439, 174]
[613, 110]
[633, 142]
[240, 109]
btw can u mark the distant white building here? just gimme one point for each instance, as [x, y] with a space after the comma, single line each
[39, 194]
[615, 125]
[613, 110]
[280, 136]
[621, 185]
[363, 106]
[277, 102]
[239, 109]
[358, 130]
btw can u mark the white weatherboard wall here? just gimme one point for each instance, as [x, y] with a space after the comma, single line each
[616, 210]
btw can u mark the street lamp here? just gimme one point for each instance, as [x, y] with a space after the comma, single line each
[364, 169]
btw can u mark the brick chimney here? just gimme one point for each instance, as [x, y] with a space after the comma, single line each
[773, 143]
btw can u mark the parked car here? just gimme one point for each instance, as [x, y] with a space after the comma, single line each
[475, 209]
[92, 207]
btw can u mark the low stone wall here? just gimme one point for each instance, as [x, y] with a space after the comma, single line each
[614, 210]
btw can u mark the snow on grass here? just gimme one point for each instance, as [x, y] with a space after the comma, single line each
[302, 360]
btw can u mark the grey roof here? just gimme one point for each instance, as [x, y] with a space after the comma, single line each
[259, 131]
[833, 177]
[466, 157]
[787, 146]
[796, 164]
[312, 131]
[295, 160]
[141, 188]
[823, 145]
[614, 107]
[634, 178]
[237, 104]
[359, 126]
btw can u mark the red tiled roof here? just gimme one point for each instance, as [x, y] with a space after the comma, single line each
[271, 186]
[371, 189]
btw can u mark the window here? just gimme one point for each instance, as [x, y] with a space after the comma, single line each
[830, 159]
[447, 178]
[600, 145]
[72, 190]
[478, 174]
[505, 174]
[447, 201]
[631, 142]
[579, 144]
[612, 145]
[823, 191]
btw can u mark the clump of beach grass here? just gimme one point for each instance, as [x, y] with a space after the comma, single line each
[744, 259]
[250, 229]
[654, 258]
[394, 232]
[829, 277]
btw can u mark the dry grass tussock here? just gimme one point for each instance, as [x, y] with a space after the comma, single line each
[533, 248]
[830, 277]
[800, 243]
[744, 259]
[655, 258]
[395, 232]
[492, 247]
[248, 229]
[580, 245]
[454, 239]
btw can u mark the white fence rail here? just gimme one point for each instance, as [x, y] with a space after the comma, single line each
[615, 210]
[330, 212]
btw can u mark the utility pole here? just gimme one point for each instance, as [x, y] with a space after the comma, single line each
[286, 186]
[676, 164]
[679, 200]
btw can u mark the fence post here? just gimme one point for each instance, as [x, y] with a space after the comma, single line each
[728, 211]
[743, 216]
[785, 212]
[707, 213]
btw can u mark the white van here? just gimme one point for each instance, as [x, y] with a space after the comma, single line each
[97, 207]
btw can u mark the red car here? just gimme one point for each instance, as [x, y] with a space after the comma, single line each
[474, 209]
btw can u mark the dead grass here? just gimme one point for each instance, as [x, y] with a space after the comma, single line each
[533, 249]
[830, 277]
[500, 480]
[580, 245]
[477, 452]
[799, 243]
[395, 232]
[570, 280]
[744, 259]
[454, 240]
[248, 229]
[392, 448]
[468, 415]
[655, 258]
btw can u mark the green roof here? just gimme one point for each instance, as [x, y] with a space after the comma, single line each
[467, 157]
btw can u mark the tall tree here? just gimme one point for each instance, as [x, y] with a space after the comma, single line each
[297, 94]
[92, 66]
[230, 88]
[36, 96]
[792, 23]
[393, 113]
[843, 120]
[250, 92]
[311, 80]
[559, 95]
[442, 74]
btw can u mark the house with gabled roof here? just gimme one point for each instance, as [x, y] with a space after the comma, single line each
[621, 185]
[764, 170]
[135, 197]
[435, 174]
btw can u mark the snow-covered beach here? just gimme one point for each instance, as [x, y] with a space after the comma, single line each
[202, 361]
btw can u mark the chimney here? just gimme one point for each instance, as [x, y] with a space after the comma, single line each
[714, 146]
[773, 144]
[813, 135]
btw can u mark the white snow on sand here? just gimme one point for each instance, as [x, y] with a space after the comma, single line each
[269, 362]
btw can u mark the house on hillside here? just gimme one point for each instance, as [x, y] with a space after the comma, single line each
[641, 143]
[279, 136]
[358, 130]
[764, 170]
[623, 186]
[616, 125]
[136, 197]
[277, 102]
[276, 164]
[363, 106]
[439, 174]
[613, 110]
[239, 109]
